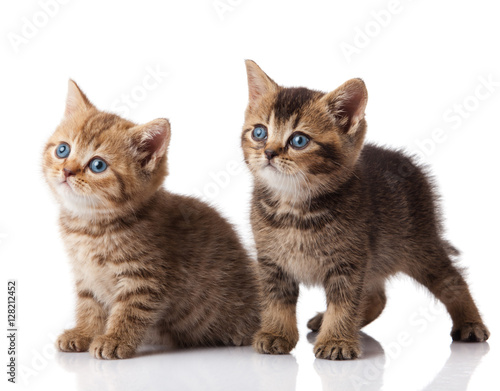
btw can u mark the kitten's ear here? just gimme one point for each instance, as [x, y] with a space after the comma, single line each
[150, 142]
[347, 104]
[76, 101]
[258, 82]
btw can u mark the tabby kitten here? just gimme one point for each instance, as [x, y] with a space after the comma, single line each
[150, 266]
[328, 211]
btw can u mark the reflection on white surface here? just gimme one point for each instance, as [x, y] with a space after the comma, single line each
[458, 369]
[208, 369]
[240, 368]
[366, 373]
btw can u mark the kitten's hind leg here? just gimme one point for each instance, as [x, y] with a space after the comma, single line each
[315, 322]
[445, 281]
[374, 303]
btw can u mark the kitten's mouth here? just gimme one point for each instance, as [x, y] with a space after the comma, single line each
[65, 183]
[271, 166]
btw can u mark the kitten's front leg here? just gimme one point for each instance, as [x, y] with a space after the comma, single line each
[338, 338]
[90, 321]
[278, 333]
[136, 307]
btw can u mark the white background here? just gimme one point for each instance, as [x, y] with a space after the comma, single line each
[423, 64]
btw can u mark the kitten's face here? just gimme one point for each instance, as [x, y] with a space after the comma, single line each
[97, 163]
[298, 141]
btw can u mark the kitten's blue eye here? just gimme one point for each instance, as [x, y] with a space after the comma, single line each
[299, 141]
[98, 165]
[259, 133]
[63, 150]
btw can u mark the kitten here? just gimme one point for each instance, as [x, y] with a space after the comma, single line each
[150, 266]
[329, 211]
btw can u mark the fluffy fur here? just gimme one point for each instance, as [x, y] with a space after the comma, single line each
[342, 215]
[149, 265]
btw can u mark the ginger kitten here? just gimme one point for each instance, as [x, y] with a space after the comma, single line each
[150, 266]
[328, 210]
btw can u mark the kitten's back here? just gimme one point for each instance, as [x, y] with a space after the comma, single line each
[404, 206]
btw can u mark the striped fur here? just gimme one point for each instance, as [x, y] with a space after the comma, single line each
[340, 215]
[149, 265]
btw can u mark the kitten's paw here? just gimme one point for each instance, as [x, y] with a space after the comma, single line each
[315, 323]
[470, 332]
[337, 349]
[73, 341]
[267, 343]
[108, 347]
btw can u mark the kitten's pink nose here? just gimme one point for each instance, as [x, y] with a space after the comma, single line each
[67, 172]
[270, 153]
